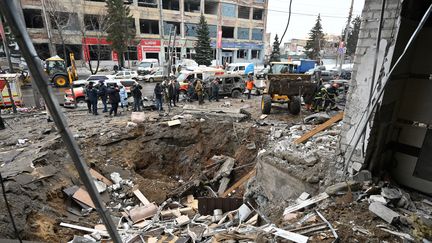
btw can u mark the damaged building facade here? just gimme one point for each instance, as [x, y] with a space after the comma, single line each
[392, 136]
[241, 22]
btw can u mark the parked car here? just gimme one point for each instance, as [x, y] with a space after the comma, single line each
[91, 78]
[147, 66]
[157, 76]
[262, 74]
[69, 99]
[126, 75]
[230, 85]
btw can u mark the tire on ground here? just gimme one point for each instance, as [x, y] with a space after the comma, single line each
[236, 94]
[151, 80]
[294, 105]
[266, 103]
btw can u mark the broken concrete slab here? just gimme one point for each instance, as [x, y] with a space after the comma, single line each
[391, 193]
[225, 169]
[174, 123]
[377, 198]
[138, 117]
[342, 187]
[100, 186]
[182, 220]
[138, 214]
[384, 212]
[223, 185]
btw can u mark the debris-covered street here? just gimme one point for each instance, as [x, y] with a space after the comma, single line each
[186, 182]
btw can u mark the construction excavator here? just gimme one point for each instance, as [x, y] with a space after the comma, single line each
[59, 74]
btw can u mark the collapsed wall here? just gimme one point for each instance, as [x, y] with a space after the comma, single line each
[365, 85]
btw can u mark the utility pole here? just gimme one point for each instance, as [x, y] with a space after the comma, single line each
[346, 36]
[51, 47]
[11, 70]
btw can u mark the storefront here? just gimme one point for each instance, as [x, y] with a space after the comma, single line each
[241, 52]
[149, 49]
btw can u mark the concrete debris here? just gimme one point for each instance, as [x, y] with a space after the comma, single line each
[251, 146]
[317, 118]
[342, 187]
[363, 175]
[115, 177]
[100, 186]
[377, 198]
[174, 123]
[391, 193]
[306, 203]
[384, 212]
[137, 117]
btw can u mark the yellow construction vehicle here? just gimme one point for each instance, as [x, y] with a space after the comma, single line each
[59, 74]
[285, 86]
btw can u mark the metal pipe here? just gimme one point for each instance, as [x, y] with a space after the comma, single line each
[17, 25]
[386, 78]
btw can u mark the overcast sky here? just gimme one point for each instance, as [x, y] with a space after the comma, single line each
[334, 14]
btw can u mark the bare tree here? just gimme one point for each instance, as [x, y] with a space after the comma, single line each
[97, 24]
[62, 19]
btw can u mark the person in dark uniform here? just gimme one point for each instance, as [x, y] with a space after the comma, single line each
[92, 93]
[114, 99]
[103, 95]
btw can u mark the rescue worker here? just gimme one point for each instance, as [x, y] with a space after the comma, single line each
[172, 94]
[177, 89]
[137, 96]
[191, 91]
[114, 98]
[158, 91]
[103, 95]
[333, 93]
[199, 90]
[123, 98]
[249, 85]
[92, 93]
[87, 100]
[214, 90]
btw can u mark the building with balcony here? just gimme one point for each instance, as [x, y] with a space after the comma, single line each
[242, 22]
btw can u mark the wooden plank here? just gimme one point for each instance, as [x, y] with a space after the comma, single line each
[86, 229]
[306, 203]
[223, 185]
[141, 197]
[82, 196]
[100, 177]
[319, 128]
[239, 182]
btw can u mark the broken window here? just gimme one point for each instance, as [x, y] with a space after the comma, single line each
[149, 26]
[242, 53]
[33, 18]
[91, 22]
[131, 53]
[176, 52]
[192, 5]
[228, 10]
[190, 29]
[257, 34]
[212, 31]
[257, 14]
[190, 53]
[75, 49]
[147, 3]
[42, 50]
[168, 25]
[243, 12]
[243, 33]
[66, 21]
[171, 4]
[227, 32]
[256, 54]
[103, 50]
[211, 7]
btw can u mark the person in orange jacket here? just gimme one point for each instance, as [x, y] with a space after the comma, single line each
[250, 84]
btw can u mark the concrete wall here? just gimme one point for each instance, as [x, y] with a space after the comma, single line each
[361, 84]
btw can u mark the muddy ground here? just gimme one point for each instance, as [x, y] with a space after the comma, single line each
[158, 159]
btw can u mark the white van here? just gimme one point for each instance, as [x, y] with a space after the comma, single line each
[240, 68]
[199, 73]
[147, 66]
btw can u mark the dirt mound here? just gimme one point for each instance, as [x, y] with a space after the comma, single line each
[165, 157]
